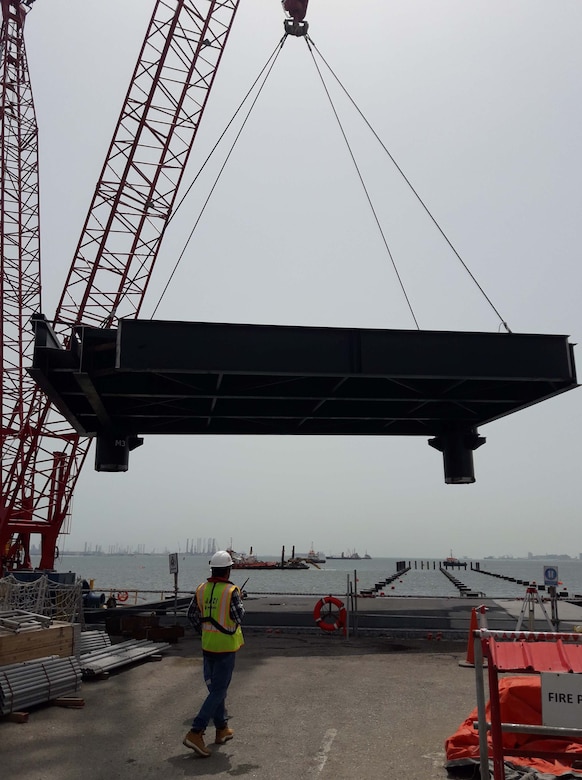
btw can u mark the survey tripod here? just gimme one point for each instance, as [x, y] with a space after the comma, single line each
[532, 597]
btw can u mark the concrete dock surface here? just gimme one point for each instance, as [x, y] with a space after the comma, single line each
[302, 705]
[317, 707]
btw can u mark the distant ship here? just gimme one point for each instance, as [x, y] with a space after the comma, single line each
[250, 561]
[350, 556]
[313, 556]
[452, 562]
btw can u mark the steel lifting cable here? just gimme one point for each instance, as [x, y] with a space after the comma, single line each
[312, 47]
[268, 67]
[309, 43]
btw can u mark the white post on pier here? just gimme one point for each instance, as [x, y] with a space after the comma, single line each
[174, 570]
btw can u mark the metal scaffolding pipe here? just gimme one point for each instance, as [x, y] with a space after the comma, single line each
[37, 681]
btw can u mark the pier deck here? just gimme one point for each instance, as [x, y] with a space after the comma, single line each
[303, 705]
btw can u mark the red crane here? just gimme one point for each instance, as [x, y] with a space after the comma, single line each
[120, 240]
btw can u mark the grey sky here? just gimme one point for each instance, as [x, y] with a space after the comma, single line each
[480, 105]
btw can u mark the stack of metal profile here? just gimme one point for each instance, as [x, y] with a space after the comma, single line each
[17, 620]
[90, 641]
[27, 684]
[103, 660]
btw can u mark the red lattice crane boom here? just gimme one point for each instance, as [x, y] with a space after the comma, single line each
[115, 256]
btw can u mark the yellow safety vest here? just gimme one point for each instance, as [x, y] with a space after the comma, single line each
[220, 633]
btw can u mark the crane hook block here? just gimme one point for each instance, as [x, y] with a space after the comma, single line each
[295, 27]
[296, 10]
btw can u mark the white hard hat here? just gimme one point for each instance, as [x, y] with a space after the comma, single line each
[220, 560]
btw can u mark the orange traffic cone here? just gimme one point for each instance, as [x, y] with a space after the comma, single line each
[473, 626]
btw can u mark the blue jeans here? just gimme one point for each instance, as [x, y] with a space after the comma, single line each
[218, 669]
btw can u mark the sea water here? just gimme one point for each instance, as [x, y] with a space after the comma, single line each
[151, 573]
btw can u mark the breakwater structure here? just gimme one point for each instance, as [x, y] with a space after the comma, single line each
[464, 590]
[507, 578]
[401, 570]
[404, 567]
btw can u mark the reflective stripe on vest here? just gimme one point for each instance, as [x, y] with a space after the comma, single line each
[220, 633]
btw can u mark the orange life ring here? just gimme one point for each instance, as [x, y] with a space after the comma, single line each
[123, 595]
[333, 620]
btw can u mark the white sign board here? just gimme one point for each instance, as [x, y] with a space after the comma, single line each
[562, 700]
[550, 576]
[173, 563]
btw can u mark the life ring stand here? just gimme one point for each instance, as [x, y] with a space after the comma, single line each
[123, 595]
[332, 620]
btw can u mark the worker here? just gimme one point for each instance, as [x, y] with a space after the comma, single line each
[297, 9]
[216, 612]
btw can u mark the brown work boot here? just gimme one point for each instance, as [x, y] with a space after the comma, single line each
[223, 735]
[195, 741]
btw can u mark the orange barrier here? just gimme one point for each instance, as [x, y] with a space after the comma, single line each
[473, 626]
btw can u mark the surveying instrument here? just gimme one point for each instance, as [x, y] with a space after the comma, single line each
[532, 597]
